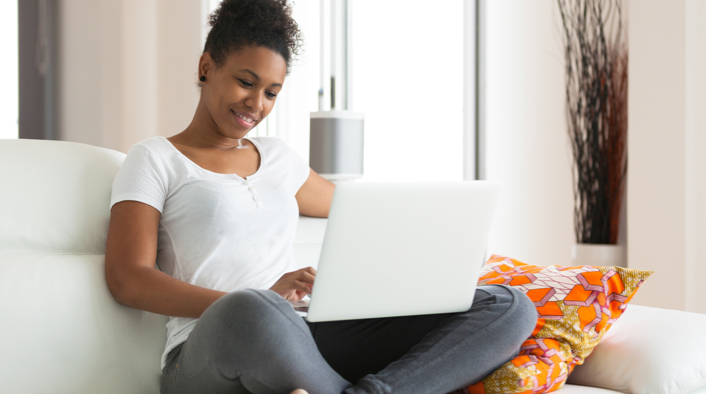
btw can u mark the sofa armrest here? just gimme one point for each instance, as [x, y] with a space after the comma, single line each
[649, 351]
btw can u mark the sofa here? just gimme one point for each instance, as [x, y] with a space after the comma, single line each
[62, 331]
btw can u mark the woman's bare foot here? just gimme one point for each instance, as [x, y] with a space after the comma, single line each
[299, 391]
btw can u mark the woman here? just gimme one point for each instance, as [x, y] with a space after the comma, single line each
[218, 212]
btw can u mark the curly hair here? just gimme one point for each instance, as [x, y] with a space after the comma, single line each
[266, 23]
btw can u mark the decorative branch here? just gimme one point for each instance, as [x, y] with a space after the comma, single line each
[596, 113]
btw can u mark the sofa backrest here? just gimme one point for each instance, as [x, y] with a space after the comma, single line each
[62, 331]
[55, 196]
[309, 241]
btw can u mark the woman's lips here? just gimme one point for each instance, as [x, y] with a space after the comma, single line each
[245, 120]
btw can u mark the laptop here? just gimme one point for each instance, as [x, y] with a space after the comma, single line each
[402, 248]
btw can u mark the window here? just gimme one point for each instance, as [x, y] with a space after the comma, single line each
[407, 70]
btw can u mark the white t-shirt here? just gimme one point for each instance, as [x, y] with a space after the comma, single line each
[218, 231]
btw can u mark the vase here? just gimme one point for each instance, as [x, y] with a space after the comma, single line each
[598, 254]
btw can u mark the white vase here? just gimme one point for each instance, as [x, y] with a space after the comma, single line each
[598, 254]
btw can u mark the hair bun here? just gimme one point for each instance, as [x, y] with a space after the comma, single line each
[267, 23]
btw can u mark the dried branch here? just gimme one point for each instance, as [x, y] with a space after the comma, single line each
[596, 114]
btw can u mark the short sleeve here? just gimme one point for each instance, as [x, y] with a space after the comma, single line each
[140, 179]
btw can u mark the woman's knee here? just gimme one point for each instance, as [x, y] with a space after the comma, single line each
[516, 308]
[244, 307]
[243, 300]
[242, 322]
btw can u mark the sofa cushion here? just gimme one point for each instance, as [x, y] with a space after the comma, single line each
[54, 196]
[575, 307]
[573, 389]
[651, 351]
[63, 332]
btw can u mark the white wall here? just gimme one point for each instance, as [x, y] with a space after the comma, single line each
[528, 149]
[667, 184]
[127, 69]
[9, 85]
[695, 157]
[180, 46]
[527, 143]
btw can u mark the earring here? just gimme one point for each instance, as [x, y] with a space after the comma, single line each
[203, 78]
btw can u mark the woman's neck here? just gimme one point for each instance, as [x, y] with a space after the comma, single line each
[203, 132]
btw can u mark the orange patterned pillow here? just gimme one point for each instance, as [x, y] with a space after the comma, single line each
[575, 307]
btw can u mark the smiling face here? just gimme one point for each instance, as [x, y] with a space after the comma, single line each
[238, 95]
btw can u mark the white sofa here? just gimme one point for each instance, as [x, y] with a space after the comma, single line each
[62, 332]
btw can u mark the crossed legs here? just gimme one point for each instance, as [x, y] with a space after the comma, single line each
[252, 342]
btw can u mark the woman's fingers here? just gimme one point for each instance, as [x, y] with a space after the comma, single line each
[295, 284]
[301, 286]
[306, 277]
[285, 288]
[299, 271]
[292, 290]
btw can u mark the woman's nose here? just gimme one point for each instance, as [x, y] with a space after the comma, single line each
[255, 101]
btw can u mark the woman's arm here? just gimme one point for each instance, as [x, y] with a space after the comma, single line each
[315, 195]
[130, 255]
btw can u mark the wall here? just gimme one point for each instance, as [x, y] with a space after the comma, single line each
[527, 145]
[667, 186]
[9, 86]
[180, 47]
[127, 69]
[528, 150]
[695, 159]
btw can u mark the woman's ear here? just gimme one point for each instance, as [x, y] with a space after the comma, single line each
[206, 65]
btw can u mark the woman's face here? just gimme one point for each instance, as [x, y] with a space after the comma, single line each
[239, 94]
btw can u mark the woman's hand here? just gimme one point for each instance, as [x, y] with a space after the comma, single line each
[295, 285]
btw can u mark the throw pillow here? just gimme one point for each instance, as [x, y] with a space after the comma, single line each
[575, 307]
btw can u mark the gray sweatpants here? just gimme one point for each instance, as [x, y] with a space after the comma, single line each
[252, 341]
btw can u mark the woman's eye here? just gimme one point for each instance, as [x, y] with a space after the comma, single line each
[271, 94]
[245, 83]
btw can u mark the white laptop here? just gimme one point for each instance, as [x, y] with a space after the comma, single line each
[397, 249]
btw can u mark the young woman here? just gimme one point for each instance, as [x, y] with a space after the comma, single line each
[218, 211]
